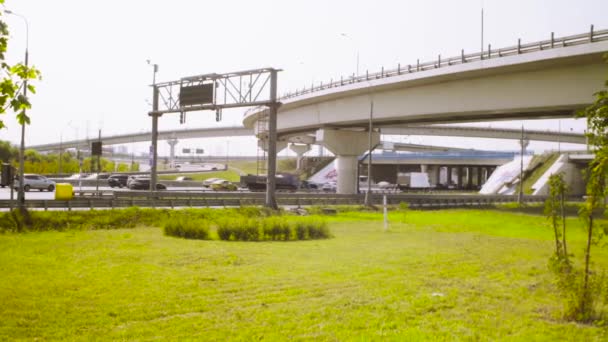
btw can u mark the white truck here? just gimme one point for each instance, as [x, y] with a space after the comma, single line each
[413, 180]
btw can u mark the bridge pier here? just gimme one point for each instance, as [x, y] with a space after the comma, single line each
[299, 150]
[172, 142]
[347, 146]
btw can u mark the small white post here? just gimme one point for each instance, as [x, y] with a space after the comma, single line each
[385, 213]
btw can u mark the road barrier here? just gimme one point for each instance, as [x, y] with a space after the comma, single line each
[177, 199]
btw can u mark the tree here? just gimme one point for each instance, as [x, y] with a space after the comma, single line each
[8, 152]
[13, 80]
[597, 175]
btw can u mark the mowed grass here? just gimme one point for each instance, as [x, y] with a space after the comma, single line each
[435, 275]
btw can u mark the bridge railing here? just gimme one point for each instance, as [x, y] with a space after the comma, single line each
[552, 43]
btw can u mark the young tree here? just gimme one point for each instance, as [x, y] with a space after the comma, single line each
[597, 173]
[13, 81]
[555, 211]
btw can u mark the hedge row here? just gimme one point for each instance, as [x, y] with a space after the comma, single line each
[277, 228]
[15, 221]
[234, 224]
[188, 229]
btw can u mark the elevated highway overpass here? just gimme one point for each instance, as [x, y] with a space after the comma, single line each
[240, 131]
[546, 79]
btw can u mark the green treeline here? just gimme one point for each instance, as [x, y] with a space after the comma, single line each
[35, 162]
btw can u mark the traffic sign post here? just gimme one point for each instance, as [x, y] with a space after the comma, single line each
[249, 88]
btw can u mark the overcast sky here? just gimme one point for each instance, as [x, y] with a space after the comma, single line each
[93, 54]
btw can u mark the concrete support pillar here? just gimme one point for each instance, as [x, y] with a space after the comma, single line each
[449, 175]
[347, 167]
[459, 177]
[299, 150]
[433, 172]
[470, 177]
[172, 142]
[347, 146]
[479, 182]
[424, 168]
[438, 179]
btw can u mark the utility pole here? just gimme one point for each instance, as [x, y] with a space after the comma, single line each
[368, 194]
[481, 32]
[153, 147]
[21, 193]
[271, 201]
[98, 165]
[155, 115]
[520, 197]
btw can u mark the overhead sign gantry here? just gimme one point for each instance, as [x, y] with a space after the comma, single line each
[215, 92]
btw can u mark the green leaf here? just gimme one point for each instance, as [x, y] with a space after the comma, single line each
[22, 118]
[31, 88]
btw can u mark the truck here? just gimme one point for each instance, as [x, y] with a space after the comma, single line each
[413, 180]
[284, 181]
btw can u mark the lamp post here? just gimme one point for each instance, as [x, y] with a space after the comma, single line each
[60, 167]
[349, 37]
[368, 194]
[20, 193]
[153, 147]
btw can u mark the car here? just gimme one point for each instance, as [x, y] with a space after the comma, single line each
[77, 176]
[330, 187]
[117, 180]
[98, 176]
[306, 185]
[184, 178]
[223, 185]
[143, 183]
[207, 182]
[33, 181]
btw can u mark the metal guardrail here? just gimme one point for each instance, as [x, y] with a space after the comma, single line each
[552, 43]
[180, 199]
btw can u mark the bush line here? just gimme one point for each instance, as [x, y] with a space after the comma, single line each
[276, 228]
[233, 224]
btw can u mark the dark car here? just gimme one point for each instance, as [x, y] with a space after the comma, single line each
[117, 181]
[143, 183]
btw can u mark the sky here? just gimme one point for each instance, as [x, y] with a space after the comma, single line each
[92, 54]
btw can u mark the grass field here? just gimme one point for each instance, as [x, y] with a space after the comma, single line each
[436, 275]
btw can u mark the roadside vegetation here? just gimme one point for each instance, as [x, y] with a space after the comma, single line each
[538, 166]
[35, 162]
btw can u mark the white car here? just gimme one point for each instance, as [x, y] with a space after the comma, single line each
[32, 181]
[207, 182]
[330, 187]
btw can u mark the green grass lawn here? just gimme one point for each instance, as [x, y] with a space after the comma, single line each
[435, 275]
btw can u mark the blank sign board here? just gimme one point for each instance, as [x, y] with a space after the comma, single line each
[196, 95]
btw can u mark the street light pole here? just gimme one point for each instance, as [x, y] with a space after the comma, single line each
[349, 37]
[368, 194]
[154, 146]
[20, 193]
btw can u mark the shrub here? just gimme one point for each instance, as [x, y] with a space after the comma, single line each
[276, 228]
[318, 229]
[224, 229]
[301, 229]
[188, 229]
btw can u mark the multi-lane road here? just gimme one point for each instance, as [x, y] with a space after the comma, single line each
[5, 193]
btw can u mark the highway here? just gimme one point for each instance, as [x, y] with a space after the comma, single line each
[5, 193]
